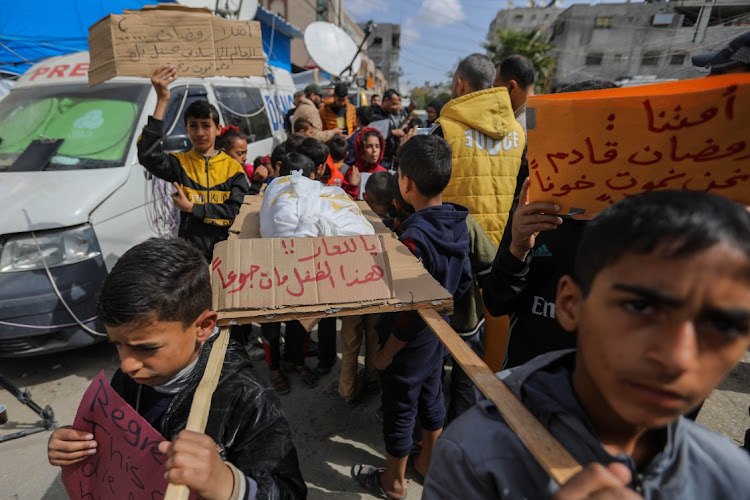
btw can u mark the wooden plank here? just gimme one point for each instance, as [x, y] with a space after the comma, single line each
[202, 402]
[550, 454]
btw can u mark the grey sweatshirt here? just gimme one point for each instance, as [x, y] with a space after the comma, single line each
[478, 456]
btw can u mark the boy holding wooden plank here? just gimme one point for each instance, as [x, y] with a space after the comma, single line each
[156, 307]
[659, 300]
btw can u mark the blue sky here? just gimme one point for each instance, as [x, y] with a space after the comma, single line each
[435, 34]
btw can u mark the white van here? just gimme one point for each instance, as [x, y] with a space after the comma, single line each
[74, 196]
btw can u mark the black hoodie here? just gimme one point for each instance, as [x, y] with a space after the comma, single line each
[439, 237]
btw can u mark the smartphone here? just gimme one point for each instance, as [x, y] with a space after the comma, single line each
[424, 131]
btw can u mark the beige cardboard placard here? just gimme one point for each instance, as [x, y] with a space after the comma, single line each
[198, 43]
[413, 287]
[276, 272]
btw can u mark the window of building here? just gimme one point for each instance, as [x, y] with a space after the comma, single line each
[395, 40]
[244, 107]
[378, 41]
[594, 59]
[518, 18]
[677, 59]
[546, 16]
[533, 17]
[650, 58]
[603, 22]
[618, 57]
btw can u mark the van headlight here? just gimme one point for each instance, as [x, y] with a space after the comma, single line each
[59, 248]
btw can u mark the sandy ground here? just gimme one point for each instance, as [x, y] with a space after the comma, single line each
[330, 436]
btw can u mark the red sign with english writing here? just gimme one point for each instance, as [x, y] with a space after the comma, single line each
[127, 463]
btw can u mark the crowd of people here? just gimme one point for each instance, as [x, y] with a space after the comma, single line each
[619, 326]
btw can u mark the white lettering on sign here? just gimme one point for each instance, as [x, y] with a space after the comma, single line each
[477, 140]
[61, 71]
[543, 308]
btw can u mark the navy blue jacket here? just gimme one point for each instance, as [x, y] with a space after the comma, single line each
[439, 237]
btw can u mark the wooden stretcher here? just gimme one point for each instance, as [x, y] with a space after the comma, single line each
[431, 301]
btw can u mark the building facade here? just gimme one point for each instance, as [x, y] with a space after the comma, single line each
[384, 47]
[524, 19]
[302, 13]
[634, 43]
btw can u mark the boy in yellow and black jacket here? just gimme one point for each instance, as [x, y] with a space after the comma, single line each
[210, 184]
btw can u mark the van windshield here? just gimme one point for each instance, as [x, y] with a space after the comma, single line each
[95, 124]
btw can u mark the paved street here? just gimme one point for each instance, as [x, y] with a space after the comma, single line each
[330, 436]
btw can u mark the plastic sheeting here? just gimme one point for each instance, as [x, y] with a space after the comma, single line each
[32, 31]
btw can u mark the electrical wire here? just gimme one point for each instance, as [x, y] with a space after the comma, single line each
[59, 295]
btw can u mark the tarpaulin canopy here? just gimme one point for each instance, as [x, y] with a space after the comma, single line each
[32, 31]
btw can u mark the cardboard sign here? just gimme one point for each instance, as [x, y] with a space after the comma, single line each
[412, 286]
[277, 272]
[195, 41]
[587, 150]
[127, 463]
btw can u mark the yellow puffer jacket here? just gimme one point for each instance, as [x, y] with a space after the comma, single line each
[487, 144]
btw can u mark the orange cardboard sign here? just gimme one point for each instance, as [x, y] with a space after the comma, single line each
[278, 272]
[587, 150]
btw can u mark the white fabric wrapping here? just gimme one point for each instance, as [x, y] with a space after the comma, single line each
[297, 207]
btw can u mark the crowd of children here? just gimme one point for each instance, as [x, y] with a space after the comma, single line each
[656, 305]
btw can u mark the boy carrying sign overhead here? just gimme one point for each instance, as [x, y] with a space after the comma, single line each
[660, 301]
[211, 185]
[156, 307]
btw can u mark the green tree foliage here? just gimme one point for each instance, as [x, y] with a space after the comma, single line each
[531, 44]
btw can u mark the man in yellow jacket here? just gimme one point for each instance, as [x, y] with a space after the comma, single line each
[487, 142]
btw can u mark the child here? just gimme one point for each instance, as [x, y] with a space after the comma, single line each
[297, 161]
[317, 152]
[234, 143]
[379, 192]
[411, 357]
[355, 329]
[303, 127]
[210, 184]
[364, 118]
[156, 307]
[369, 148]
[659, 298]
[334, 162]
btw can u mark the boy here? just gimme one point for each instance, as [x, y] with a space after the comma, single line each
[303, 127]
[317, 152]
[355, 329]
[297, 161]
[156, 307]
[379, 192]
[211, 185]
[659, 298]
[411, 357]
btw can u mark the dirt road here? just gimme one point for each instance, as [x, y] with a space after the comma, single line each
[329, 435]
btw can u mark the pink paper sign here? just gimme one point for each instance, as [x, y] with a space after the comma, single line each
[127, 463]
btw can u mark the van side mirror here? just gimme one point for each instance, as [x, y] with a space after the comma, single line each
[176, 144]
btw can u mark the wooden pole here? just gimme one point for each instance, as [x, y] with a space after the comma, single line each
[202, 402]
[555, 459]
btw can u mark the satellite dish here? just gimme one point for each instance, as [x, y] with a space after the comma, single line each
[331, 48]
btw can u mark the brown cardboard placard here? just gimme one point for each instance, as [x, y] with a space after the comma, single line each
[272, 273]
[198, 43]
[412, 286]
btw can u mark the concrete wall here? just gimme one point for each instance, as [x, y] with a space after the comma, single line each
[621, 42]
